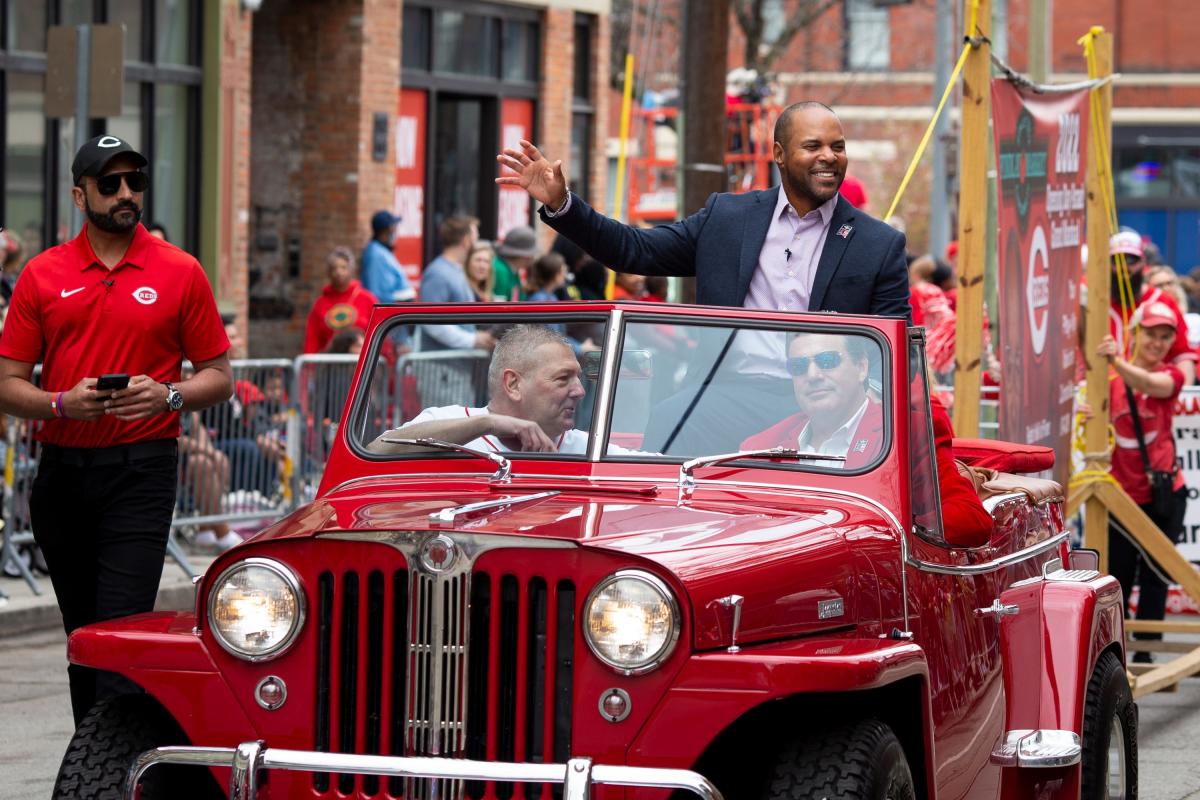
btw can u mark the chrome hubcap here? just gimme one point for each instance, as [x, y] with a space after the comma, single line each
[1116, 759]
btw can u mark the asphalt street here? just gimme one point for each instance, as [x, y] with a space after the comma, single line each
[36, 724]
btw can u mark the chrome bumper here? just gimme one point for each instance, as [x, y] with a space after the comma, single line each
[248, 759]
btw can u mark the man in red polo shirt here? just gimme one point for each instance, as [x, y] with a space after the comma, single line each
[112, 300]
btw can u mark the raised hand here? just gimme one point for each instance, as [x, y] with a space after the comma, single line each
[544, 181]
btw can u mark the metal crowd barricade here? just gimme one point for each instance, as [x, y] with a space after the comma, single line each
[234, 460]
[20, 467]
[321, 388]
[440, 378]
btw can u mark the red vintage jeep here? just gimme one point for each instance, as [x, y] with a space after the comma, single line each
[669, 601]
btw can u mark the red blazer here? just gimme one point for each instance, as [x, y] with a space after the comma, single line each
[965, 523]
[864, 446]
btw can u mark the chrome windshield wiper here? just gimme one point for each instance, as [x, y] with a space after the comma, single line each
[687, 482]
[503, 466]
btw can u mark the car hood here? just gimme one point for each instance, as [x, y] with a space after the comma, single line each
[801, 561]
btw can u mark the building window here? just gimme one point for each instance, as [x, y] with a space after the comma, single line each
[415, 42]
[464, 44]
[159, 114]
[868, 36]
[583, 110]
[520, 51]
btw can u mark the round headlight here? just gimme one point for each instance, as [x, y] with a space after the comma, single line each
[631, 621]
[256, 609]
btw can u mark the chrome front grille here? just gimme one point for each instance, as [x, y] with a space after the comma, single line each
[469, 663]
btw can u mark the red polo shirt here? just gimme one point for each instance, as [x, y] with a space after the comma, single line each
[80, 320]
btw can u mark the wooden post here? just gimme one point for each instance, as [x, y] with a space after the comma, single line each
[972, 217]
[1099, 175]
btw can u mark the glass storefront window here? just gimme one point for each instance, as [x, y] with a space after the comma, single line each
[24, 163]
[416, 38]
[128, 126]
[520, 51]
[26, 27]
[465, 44]
[1170, 169]
[75, 12]
[173, 23]
[129, 14]
[581, 150]
[169, 179]
[66, 152]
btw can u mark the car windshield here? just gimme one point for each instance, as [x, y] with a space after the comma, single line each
[678, 391]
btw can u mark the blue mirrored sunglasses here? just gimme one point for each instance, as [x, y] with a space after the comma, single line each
[798, 365]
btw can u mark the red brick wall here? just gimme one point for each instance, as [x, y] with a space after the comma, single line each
[322, 70]
[237, 27]
[555, 90]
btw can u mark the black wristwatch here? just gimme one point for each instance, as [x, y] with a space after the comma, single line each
[174, 398]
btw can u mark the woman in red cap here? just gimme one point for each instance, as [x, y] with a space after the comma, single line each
[1145, 445]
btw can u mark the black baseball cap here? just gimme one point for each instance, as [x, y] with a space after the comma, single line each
[95, 154]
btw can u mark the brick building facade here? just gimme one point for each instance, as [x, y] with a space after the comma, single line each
[874, 65]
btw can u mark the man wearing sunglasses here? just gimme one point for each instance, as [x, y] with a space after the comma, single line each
[837, 417]
[119, 303]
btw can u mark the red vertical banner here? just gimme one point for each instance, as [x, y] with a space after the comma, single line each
[1041, 157]
[409, 200]
[516, 123]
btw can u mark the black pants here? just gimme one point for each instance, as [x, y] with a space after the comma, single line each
[102, 518]
[1127, 564]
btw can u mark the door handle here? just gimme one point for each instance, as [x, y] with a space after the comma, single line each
[998, 610]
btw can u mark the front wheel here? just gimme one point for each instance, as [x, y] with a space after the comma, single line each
[1109, 768]
[115, 732]
[859, 761]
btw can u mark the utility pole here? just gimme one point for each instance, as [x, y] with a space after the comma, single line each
[702, 65]
[939, 213]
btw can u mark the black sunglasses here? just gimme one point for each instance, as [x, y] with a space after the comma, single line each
[798, 366]
[110, 184]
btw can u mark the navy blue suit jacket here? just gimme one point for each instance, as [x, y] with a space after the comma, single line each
[860, 272]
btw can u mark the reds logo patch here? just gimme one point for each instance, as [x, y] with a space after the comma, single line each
[145, 295]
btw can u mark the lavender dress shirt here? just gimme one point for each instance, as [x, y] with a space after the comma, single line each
[784, 282]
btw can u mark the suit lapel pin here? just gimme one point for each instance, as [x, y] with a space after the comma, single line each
[845, 231]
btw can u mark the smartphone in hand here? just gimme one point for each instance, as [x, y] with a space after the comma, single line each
[112, 382]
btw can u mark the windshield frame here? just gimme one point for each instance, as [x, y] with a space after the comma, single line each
[616, 322]
[371, 355]
[610, 374]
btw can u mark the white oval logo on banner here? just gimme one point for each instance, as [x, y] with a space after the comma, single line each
[145, 295]
[1037, 290]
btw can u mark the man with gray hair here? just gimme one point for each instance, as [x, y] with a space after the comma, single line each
[534, 388]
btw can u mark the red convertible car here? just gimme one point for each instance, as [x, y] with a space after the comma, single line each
[638, 552]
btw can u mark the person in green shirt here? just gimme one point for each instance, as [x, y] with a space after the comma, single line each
[514, 257]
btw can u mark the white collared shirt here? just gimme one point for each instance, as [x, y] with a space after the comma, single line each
[838, 443]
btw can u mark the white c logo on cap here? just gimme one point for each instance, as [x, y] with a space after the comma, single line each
[109, 141]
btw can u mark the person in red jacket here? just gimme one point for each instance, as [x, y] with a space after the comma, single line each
[839, 418]
[343, 303]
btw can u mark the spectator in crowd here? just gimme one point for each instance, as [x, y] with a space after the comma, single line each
[574, 256]
[1164, 279]
[656, 289]
[343, 303]
[1127, 246]
[627, 286]
[1153, 383]
[854, 191]
[10, 264]
[159, 230]
[778, 249]
[382, 274]
[445, 281]
[481, 272]
[515, 256]
[204, 470]
[932, 309]
[347, 341]
[105, 491]
[944, 278]
[549, 273]
[591, 277]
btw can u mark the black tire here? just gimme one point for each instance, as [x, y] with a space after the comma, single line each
[1109, 708]
[110, 737]
[859, 761]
